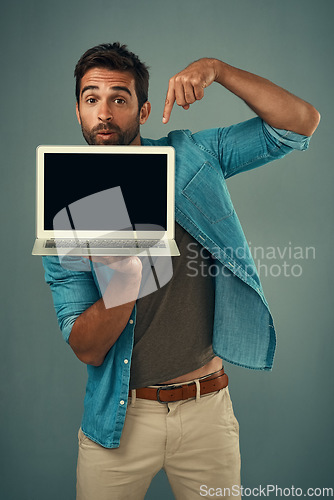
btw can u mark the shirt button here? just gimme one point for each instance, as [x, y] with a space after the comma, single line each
[121, 402]
[126, 361]
[131, 321]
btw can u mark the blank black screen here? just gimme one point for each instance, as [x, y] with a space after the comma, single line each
[69, 177]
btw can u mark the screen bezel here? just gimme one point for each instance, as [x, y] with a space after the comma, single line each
[48, 234]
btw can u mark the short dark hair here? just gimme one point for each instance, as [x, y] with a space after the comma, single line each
[114, 56]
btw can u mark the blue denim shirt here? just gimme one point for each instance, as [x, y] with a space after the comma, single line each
[243, 327]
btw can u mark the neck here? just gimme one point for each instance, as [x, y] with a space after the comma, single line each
[136, 141]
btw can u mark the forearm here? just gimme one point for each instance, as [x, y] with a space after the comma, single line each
[278, 107]
[96, 330]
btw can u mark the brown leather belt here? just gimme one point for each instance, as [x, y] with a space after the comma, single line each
[169, 393]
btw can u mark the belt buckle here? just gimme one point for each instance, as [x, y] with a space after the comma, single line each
[164, 388]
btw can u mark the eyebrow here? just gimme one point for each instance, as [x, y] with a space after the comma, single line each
[95, 87]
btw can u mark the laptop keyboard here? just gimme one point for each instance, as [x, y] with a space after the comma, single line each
[77, 243]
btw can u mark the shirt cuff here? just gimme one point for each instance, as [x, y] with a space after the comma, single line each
[289, 138]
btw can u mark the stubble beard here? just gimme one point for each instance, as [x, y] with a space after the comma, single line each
[119, 137]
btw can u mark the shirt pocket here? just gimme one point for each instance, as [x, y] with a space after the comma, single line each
[207, 190]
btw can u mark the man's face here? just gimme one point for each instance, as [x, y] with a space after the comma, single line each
[108, 108]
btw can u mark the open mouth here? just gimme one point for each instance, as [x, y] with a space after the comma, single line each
[105, 135]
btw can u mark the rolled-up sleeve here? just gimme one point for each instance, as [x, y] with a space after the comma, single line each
[73, 290]
[254, 143]
[289, 138]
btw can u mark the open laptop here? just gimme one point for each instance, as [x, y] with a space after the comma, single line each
[105, 200]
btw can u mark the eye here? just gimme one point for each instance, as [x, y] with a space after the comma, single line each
[91, 100]
[120, 100]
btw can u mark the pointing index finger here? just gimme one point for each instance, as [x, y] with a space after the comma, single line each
[169, 103]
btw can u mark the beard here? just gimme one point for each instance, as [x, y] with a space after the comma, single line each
[119, 137]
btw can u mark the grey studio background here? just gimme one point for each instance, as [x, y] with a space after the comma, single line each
[286, 416]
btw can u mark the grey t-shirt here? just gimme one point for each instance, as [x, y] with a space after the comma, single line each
[173, 332]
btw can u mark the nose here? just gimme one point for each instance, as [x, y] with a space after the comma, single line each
[104, 114]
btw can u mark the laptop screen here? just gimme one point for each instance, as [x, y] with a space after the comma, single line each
[105, 192]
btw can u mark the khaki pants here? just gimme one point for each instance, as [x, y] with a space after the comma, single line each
[195, 441]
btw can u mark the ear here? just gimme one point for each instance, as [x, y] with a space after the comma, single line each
[145, 112]
[78, 113]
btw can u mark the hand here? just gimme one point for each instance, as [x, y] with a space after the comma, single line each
[128, 265]
[123, 287]
[188, 86]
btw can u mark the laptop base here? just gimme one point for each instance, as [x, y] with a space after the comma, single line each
[170, 249]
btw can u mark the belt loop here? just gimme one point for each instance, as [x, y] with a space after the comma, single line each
[133, 397]
[198, 390]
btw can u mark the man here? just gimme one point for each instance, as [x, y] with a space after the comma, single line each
[167, 348]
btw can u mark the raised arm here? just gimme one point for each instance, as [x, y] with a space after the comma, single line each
[276, 106]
